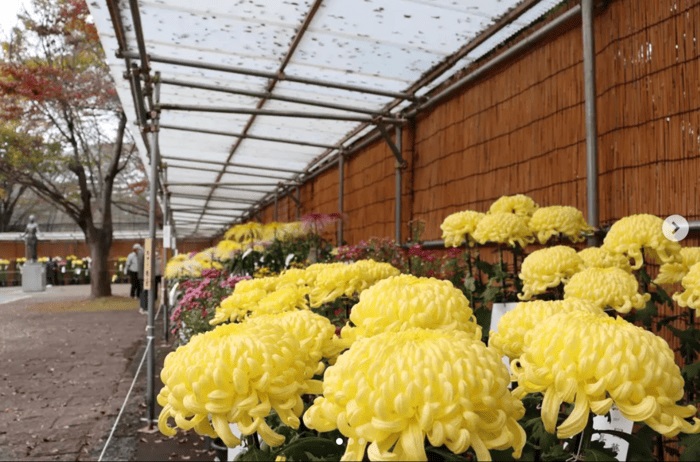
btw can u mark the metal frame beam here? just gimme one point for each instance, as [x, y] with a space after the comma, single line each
[589, 74]
[218, 199]
[249, 136]
[233, 164]
[211, 170]
[271, 75]
[274, 113]
[207, 183]
[268, 95]
[341, 194]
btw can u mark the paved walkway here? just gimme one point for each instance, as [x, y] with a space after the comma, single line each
[63, 372]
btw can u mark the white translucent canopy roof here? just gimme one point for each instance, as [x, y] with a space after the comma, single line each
[253, 94]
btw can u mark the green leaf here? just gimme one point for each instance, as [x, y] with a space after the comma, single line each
[443, 454]
[691, 371]
[691, 448]
[254, 455]
[312, 448]
[470, 284]
[600, 455]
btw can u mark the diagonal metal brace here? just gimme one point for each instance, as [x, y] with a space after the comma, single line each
[400, 162]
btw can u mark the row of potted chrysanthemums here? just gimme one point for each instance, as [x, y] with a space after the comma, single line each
[297, 351]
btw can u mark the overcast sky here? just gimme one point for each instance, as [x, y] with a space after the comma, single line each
[8, 15]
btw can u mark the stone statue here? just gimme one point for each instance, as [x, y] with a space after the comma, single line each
[31, 239]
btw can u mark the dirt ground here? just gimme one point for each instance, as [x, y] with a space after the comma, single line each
[66, 365]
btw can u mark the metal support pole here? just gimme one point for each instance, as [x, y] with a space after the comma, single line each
[275, 215]
[399, 166]
[341, 193]
[164, 302]
[150, 329]
[589, 73]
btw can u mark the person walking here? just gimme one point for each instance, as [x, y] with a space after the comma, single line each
[140, 273]
[131, 269]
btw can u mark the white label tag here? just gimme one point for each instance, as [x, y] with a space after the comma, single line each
[615, 421]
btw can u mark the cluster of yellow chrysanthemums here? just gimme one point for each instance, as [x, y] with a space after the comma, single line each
[410, 364]
[237, 240]
[570, 350]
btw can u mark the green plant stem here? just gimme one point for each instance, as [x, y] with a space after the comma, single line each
[584, 438]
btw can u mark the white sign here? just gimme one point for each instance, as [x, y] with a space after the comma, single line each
[167, 236]
[616, 422]
[497, 312]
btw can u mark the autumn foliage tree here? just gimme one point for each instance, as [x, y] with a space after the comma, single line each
[57, 95]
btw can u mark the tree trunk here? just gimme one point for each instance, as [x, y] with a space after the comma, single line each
[100, 282]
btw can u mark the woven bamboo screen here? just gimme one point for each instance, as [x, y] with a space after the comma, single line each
[521, 130]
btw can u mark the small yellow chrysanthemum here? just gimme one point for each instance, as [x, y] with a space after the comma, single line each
[690, 297]
[288, 231]
[392, 390]
[597, 257]
[175, 267]
[245, 233]
[559, 220]
[225, 250]
[503, 228]
[519, 204]
[236, 373]
[348, 280]
[458, 227]
[629, 235]
[671, 273]
[509, 340]
[607, 287]
[245, 297]
[296, 277]
[547, 268]
[406, 301]
[283, 299]
[597, 361]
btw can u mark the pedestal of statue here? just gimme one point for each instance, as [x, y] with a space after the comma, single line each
[33, 277]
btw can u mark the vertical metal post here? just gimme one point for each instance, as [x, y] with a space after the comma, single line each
[341, 194]
[589, 76]
[399, 167]
[164, 302]
[298, 194]
[150, 329]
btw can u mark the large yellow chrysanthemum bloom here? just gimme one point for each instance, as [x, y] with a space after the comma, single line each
[597, 361]
[392, 390]
[503, 228]
[291, 230]
[175, 267]
[225, 250]
[559, 220]
[547, 268]
[509, 340]
[315, 334]
[690, 297]
[406, 301]
[245, 297]
[629, 235]
[348, 280]
[519, 204]
[597, 257]
[287, 298]
[607, 288]
[245, 233]
[457, 227]
[671, 273]
[236, 373]
[296, 277]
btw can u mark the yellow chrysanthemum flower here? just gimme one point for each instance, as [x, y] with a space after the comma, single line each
[244, 299]
[406, 301]
[245, 233]
[607, 288]
[175, 266]
[225, 250]
[597, 257]
[283, 299]
[503, 228]
[348, 280]
[315, 334]
[547, 268]
[509, 340]
[458, 226]
[559, 220]
[296, 277]
[597, 361]
[629, 235]
[671, 273]
[690, 297]
[283, 231]
[519, 204]
[392, 390]
[236, 373]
